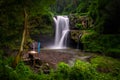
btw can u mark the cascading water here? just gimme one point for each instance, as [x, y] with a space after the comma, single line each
[61, 32]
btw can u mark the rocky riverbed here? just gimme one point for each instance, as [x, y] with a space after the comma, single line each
[47, 59]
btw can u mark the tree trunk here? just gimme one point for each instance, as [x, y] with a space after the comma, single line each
[24, 35]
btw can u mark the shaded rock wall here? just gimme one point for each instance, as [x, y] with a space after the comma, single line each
[75, 39]
[79, 22]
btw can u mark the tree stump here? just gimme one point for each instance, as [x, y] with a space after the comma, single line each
[33, 55]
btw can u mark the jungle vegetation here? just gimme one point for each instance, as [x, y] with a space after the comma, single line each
[19, 19]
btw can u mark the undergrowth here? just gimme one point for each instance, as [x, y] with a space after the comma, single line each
[99, 68]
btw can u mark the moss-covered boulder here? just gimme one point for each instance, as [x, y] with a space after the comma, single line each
[80, 22]
[74, 35]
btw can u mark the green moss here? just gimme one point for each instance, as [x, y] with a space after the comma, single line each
[107, 44]
[106, 65]
[79, 26]
[114, 52]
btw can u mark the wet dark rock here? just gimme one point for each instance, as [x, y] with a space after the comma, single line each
[46, 60]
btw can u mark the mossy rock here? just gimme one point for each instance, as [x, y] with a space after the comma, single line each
[74, 34]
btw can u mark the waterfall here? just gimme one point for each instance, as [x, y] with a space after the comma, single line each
[80, 44]
[79, 37]
[61, 31]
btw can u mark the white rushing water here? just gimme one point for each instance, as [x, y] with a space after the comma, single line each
[61, 31]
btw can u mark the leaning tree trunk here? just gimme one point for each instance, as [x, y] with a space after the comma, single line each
[24, 35]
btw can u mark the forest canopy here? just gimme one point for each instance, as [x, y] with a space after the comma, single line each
[105, 13]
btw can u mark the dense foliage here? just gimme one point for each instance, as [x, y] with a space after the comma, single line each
[106, 44]
[71, 6]
[99, 68]
[12, 19]
[102, 35]
[106, 15]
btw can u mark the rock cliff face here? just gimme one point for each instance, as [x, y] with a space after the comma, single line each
[79, 22]
[75, 35]
[75, 38]
[78, 27]
[75, 29]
